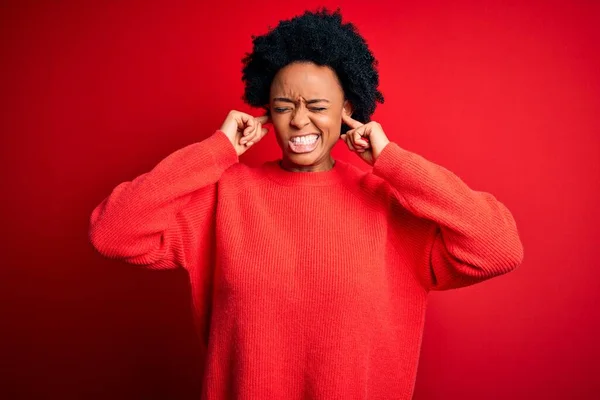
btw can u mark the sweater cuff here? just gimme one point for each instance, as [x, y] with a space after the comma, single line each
[223, 153]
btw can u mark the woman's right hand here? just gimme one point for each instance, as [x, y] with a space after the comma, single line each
[243, 130]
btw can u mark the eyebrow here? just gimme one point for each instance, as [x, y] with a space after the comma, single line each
[311, 101]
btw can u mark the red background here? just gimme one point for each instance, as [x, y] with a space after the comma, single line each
[505, 94]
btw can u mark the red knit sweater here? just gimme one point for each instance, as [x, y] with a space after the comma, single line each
[308, 285]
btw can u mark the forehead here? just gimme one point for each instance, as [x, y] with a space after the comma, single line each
[306, 80]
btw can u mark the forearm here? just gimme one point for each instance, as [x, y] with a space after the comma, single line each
[476, 230]
[133, 219]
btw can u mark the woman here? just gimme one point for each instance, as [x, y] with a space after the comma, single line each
[309, 276]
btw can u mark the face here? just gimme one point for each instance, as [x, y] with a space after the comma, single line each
[306, 103]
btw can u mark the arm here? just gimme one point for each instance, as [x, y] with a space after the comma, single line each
[157, 219]
[474, 237]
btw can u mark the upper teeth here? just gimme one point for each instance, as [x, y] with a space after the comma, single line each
[305, 139]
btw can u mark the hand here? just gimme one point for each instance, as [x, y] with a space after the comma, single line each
[243, 130]
[367, 140]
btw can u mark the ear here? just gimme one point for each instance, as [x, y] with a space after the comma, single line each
[348, 109]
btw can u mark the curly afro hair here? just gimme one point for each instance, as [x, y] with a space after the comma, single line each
[319, 37]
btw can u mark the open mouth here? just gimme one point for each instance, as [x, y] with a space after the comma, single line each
[304, 144]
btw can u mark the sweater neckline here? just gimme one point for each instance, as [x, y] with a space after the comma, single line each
[333, 176]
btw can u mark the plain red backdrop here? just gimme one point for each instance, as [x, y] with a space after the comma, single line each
[505, 94]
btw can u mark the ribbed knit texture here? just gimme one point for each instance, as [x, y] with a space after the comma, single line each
[308, 285]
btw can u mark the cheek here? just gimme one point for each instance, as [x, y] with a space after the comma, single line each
[280, 122]
[279, 127]
[330, 124]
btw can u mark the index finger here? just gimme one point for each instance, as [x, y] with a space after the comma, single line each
[350, 121]
[263, 119]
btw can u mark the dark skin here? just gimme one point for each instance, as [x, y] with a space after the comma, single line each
[307, 98]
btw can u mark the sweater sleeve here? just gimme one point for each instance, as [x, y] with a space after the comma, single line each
[158, 218]
[474, 237]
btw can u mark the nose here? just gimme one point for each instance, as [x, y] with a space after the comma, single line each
[300, 118]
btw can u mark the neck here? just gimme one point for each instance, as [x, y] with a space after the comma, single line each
[320, 166]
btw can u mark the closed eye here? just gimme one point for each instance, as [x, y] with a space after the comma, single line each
[280, 110]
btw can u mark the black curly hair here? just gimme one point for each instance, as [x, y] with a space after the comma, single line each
[319, 37]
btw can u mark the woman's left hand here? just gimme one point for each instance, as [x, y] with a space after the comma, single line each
[367, 140]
